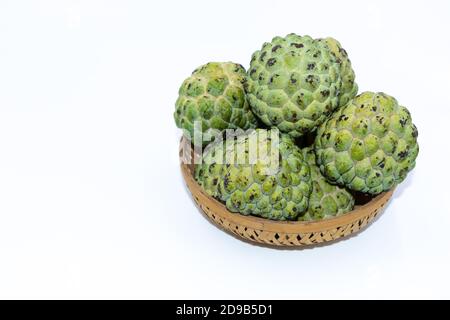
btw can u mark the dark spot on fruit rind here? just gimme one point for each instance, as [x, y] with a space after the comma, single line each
[226, 180]
[252, 71]
[325, 93]
[403, 122]
[380, 119]
[415, 133]
[403, 154]
[237, 68]
[297, 45]
[273, 77]
[276, 48]
[261, 57]
[364, 125]
[271, 62]
[311, 66]
[337, 142]
[310, 79]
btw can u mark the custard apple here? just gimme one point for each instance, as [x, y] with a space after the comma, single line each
[276, 184]
[296, 82]
[349, 88]
[213, 97]
[326, 200]
[369, 145]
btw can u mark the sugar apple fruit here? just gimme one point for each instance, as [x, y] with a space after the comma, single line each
[214, 98]
[349, 88]
[277, 190]
[369, 145]
[326, 200]
[296, 82]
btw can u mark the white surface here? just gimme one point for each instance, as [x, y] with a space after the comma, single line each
[92, 204]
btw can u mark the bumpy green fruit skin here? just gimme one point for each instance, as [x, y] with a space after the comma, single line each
[296, 82]
[326, 200]
[213, 96]
[369, 145]
[349, 88]
[279, 192]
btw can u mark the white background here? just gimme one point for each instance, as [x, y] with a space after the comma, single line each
[92, 204]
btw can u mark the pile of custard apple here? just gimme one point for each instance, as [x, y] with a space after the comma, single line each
[334, 143]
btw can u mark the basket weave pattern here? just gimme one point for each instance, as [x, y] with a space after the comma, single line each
[282, 233]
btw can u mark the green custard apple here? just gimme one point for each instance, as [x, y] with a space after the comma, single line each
[326, 200]
[213, 99]
[276, 184]
[369, 145]
[296, 82]
[349, 88]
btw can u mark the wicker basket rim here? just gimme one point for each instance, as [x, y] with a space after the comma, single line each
[273, 225]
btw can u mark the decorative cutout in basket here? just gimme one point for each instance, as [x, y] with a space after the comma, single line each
[280, 233]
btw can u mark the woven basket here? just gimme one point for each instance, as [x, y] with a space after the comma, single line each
[280, 233]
